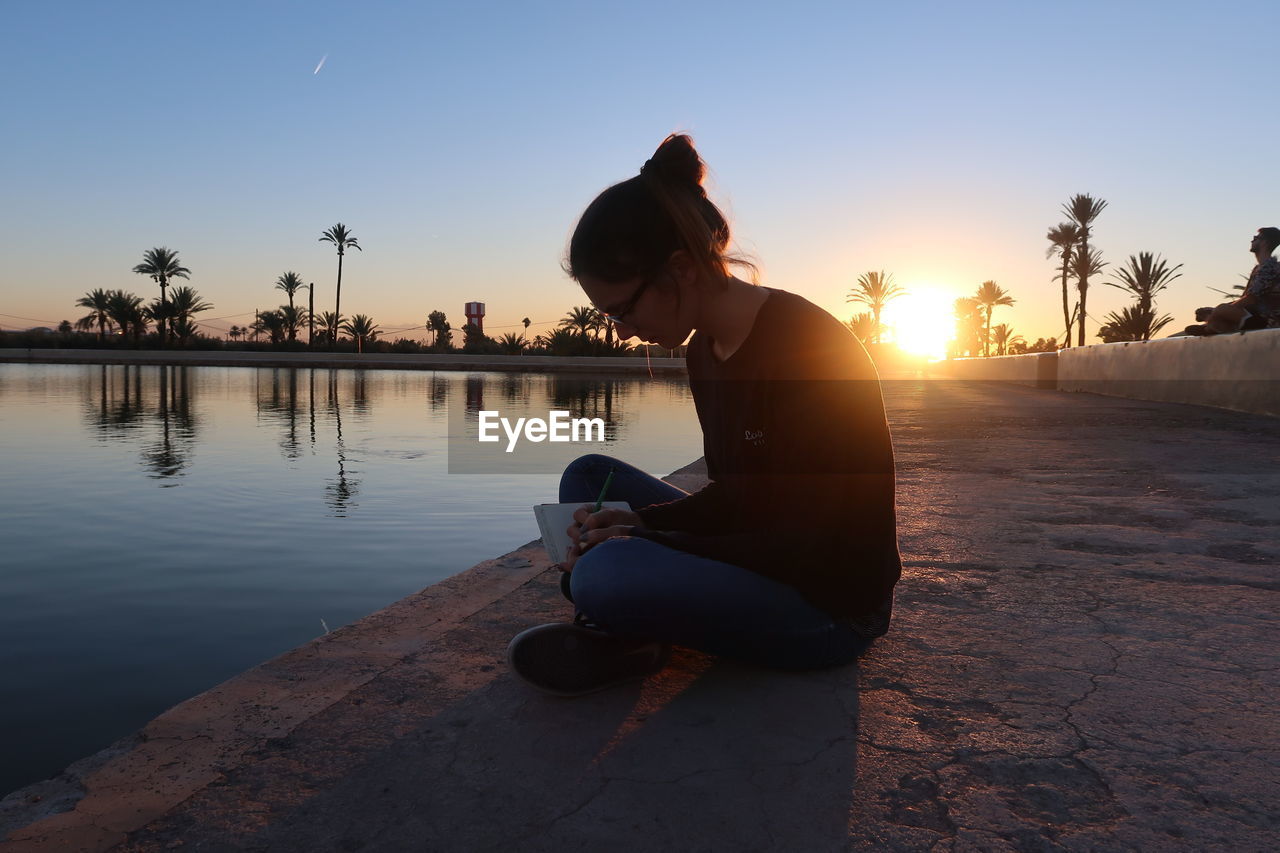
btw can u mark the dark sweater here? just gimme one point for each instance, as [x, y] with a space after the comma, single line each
[800, 462]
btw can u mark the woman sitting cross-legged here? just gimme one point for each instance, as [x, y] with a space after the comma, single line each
[788, 557]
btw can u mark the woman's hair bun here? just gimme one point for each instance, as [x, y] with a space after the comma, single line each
[632, 228]
[676, 162]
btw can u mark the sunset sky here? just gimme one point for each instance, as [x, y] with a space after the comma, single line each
[459, 142]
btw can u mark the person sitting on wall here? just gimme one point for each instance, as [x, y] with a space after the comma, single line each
[1259, 306]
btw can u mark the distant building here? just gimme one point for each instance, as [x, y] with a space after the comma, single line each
[475, 315]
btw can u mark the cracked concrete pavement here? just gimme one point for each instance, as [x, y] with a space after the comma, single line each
[1083, 657]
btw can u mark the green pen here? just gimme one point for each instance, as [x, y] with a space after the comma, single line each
[600, 500]
[605, 489]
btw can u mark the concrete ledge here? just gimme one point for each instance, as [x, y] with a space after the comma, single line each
[370, 361]
[1237, 372]
[1037, 369]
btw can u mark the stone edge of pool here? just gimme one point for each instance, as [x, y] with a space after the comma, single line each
[97, 801]
[363, 361]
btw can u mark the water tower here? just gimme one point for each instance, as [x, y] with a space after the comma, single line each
[475, 315]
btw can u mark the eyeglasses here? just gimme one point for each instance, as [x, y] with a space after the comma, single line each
[618, 315]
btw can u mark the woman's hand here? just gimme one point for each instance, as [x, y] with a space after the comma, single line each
[592, 528]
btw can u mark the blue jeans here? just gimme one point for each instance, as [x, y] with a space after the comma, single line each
[636, 587]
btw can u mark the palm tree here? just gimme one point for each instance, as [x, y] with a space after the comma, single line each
[526, 322]
[98, 303]
[184, 303]
[990, 295]
[1132, 323]
[161, 264]
[1003, 337]
[599, 322]
[581, 317]
[512, 344]
[235, 332]
[362, 328]
[160, 312]
[1062, 240]
[969, 328]
[290, 283]
[339, 236]
[272, 323]
[126, 310]
[184, 328]
[862, 325]
[1145, 276]
[293, 317]
[1084, 266]
[1082, 210]
[438, 323]
[874, 290]
[330, 323]
[562, 341]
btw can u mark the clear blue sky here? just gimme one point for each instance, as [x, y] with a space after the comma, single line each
[459, 142]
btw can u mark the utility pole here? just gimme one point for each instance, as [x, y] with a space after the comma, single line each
[311, 315]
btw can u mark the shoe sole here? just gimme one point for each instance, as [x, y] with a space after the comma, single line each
[569, 660]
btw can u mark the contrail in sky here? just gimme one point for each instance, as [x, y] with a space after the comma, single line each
[321, 65]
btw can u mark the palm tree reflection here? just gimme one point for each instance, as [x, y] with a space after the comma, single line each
[438, 392]
[589, 398]
[360, 392]
[279, 400]
[340, 492]
[171, 453]
[121, 408]
[515, 387]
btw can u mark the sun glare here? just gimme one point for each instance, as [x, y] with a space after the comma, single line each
[921, 322]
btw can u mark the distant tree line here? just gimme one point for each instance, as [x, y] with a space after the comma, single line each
[118, 318]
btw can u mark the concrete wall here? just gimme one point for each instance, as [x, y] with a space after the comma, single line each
[1037, 369]
[1240, 371]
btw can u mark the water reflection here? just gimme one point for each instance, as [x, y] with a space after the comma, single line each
[614, 402]
[279, 398]
[129, 398]
[116, 407]
[475, 393]
[340, 491]
[314, 410]
[438, 392]
[590, 398]
[582, 397]
[516, 388]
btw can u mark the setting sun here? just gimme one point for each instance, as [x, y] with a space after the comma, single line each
[921, 322]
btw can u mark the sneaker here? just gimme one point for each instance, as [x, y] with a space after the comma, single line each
[576, 659]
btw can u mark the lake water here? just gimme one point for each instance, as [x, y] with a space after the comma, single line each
[165, 528]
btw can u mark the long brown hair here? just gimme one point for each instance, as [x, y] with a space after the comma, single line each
[633, 227]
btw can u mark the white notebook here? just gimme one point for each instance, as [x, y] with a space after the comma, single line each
[554, 521]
